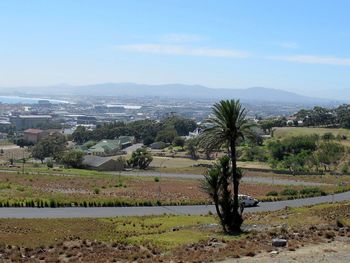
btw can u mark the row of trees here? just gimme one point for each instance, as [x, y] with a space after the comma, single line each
[147, 131]
[319, 116]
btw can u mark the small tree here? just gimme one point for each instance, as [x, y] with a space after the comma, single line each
[141, 158]
[179, 141]
[50, 146]
[72, 159]
[330, 153]
[192, 148]
[216, 184]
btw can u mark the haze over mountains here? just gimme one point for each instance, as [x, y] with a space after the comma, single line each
[177, 91]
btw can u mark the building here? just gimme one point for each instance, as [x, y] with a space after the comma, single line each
[106, 148]
[102, 163]
[33, 135]
[22, 122]
[86, 120]
[126, 141]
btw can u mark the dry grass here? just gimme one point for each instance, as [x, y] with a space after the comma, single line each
[165, 238]
[281, 132]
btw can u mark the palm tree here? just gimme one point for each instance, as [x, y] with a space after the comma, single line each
[227, 126]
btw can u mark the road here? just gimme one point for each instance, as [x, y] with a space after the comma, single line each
[248, 179]
[100, 212]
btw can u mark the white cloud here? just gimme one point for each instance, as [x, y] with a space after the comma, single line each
[183, 50]
[310, 59]
[181, 38]
[288, 45]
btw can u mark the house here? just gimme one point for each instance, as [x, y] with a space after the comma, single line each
[194, 134]
[102, 163]
[33, 135]
[126, 141]
[105, 148]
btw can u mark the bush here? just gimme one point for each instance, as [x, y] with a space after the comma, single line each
[328, 136]
[96, 191]
[312, 191]
[272, 193]
[156, 179]
[20, 188]
[73, 158]
[49, 164]
[345, 169]
[290, 192]
[340, 222]
[141, 158]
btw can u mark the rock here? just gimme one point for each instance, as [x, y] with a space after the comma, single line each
[278, 242]
[274, 252]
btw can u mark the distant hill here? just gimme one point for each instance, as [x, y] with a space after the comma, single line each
[255, 94]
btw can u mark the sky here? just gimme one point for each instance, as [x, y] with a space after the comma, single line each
[295, 45]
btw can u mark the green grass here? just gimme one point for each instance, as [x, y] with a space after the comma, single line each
[155, 230]
[165, 232]
[282, 132]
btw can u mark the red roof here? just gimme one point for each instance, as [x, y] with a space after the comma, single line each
[33, 131]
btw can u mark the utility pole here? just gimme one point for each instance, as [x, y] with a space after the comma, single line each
[23, 161]
[160, 178]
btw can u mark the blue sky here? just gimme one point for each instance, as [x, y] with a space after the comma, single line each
[301, 46]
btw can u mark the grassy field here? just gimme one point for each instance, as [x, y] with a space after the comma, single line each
[91, 188]
[168, 162]
[167, 237]
[99, 189]
[128, 230]
[281, 132]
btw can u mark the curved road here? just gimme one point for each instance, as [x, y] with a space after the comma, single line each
[248, 179]
[98, 212]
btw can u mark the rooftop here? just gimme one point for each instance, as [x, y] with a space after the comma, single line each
[33, 131]
[95, 161]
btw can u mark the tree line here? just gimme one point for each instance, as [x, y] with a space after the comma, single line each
[147, 131]
[338, 117]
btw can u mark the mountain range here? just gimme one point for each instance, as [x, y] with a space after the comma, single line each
[177, 91]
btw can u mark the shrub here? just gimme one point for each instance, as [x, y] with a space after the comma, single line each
[20, 188]
[289, 191]
[340, 222]
[272, 193]
[328, 136]
[141, 158]
[156, 179]
[345, 169]
[96, 191]
[311, 191]
[49, 164]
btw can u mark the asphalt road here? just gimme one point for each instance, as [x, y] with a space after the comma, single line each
[248, 179]
[99, 212]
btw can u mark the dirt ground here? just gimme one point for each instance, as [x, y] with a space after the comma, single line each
[323, 235]
[333, 252]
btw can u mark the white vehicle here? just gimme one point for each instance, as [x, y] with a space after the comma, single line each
[247, 200]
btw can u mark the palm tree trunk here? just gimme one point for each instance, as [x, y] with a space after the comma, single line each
[222, 221]
[234, 176]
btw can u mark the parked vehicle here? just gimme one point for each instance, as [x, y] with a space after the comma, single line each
[247, 200]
